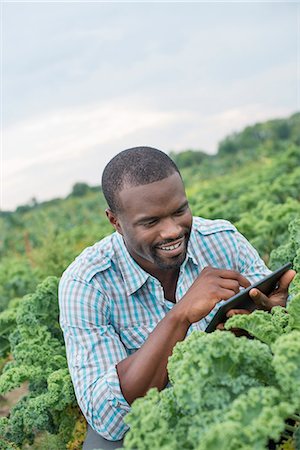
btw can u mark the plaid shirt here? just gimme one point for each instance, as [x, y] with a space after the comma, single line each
[109, 305]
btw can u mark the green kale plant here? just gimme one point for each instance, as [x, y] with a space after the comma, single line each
[38, 358]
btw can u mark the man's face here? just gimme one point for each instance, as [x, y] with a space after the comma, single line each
[155, 222]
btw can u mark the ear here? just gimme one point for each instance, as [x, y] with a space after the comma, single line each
[113, 218]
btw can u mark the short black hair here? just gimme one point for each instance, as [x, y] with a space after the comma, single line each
[134, 167]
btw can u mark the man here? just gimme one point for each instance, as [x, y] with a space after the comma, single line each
[126, 301]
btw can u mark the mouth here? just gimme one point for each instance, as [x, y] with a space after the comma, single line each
[172, 248]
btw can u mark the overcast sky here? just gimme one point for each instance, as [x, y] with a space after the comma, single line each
[82, 81]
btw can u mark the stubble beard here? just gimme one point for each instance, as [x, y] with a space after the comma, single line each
[177, 260]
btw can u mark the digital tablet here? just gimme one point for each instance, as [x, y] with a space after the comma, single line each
[242, 300]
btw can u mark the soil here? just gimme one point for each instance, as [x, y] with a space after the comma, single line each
[8, 400]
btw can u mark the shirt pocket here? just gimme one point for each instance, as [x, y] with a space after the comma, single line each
[133, 337]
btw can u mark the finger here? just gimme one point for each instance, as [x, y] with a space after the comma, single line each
[232, 285]
[285, 280]
[234, 275]
[220, 326]
[260, 299]
[233, 312]
[239, 332]
[243, 281]
[226, 294]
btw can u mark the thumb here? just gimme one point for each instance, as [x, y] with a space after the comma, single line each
[285, 280]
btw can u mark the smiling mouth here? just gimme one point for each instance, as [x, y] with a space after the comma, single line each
[171, 247]
[168, 248]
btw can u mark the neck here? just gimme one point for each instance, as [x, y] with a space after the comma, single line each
[168, 280]
[166, 276]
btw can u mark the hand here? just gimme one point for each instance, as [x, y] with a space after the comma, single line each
[237, 331]
[278, 297]
[211, 286]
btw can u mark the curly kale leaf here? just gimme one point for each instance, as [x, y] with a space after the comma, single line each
[38, 357]
[41, 308]
[7, 324]
[5, 444]
[60, 392]
[265, 326]
[208, 371]
[281, 255]
[38, 348]
[251, 421]
[13, 376]
[294, 312]
[294, 287]
[154, 422]
[286, 363]
[290, 250]
[35, 413]
[294, 230]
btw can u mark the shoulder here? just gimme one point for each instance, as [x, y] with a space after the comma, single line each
[94, 259]
[207, 226]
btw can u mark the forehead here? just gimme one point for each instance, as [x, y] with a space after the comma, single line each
[145, 199]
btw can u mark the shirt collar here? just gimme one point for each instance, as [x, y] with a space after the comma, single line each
[191, 249]
[133, 275]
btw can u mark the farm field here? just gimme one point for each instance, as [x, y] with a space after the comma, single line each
[244, 395]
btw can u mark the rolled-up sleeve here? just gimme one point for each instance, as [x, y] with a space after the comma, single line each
[93, 350]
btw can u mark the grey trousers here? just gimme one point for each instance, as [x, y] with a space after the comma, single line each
[94, 441]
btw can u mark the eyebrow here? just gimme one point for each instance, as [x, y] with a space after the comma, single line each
[150, 218]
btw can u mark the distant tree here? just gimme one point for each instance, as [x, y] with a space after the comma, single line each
[80, 189]
[228, 146]
[283, 130]
[23, 209]
[188, 158]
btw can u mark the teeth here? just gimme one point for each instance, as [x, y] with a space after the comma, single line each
[171, 247]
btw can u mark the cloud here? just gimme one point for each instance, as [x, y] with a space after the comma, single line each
[69, 135]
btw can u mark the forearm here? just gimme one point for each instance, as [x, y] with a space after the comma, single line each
[147, 367]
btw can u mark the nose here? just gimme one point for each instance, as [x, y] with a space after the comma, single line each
[170, 230]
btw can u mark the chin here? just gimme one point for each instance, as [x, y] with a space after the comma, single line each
[169, 264]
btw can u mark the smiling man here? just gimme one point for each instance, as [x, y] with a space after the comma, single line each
[126, 301]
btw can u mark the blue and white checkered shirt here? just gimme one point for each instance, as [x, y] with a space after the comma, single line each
[109, 305]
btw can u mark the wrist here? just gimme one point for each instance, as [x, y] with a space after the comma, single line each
[179, 317]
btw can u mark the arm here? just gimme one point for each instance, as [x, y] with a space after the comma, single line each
[93, 350]
[147, 367]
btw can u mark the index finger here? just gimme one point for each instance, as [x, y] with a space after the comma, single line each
[234, 275]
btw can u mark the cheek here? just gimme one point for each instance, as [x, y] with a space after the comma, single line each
[138, 239]
[187, 221]
[147, 239]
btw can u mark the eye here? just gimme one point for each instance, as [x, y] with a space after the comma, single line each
[181, 211]
[150, 223]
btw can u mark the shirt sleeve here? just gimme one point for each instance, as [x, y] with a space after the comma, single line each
[93, 349]
[249, 263]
